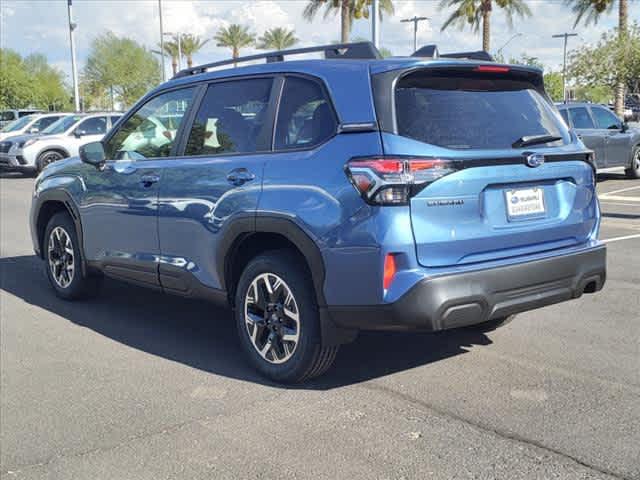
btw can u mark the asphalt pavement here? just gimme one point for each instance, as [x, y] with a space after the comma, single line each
[137, 385]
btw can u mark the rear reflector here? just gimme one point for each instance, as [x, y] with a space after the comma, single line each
[389, 270]
[491, 69]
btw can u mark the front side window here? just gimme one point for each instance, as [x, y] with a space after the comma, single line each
[44, 122]
[605, 119]
[62, 125]
[464, 110]
[231, 118]
[305, 117]
[151, 131]
[93, 126]
[565, 116]
[580, 118]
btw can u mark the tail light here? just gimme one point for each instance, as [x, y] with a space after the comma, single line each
[394, 180]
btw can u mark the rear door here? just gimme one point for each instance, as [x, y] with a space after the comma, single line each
[216, 179]
[585, 128]
[487, 201]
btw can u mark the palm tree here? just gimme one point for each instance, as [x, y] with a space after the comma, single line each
[476, 12]
[191, 44]
[590, 11]
[349, 10]
[235, 37]
[171, 51]
[277, 39]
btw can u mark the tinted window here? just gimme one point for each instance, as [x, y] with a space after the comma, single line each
[565, 115]
[305, 117]
[580, 118]
[231, 118]
[8, 115]
[605, 119]
[467, 111]
[62, 125]
[43, 123]
[93, 126]
[17, 124]
[114, 119]
[151, 131]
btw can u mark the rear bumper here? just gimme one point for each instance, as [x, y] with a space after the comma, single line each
[462, 299]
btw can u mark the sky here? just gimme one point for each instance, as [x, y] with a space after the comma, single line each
[41, 26]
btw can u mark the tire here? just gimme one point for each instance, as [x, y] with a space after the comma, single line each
[264, 319]
[47, 157]
[633, 171]
[63, 261]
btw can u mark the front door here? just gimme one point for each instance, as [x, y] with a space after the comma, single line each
[617, 142]
[215, 182]
[586, 130]
[119, 206]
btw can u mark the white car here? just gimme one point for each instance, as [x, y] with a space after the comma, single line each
[60, 140]
[35, 123]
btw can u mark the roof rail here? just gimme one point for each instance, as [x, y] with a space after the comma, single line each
[431, 51]
[362, 50]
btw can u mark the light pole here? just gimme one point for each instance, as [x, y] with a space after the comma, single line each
[415, 21]
[164, 70]
[375, 17]
[177, 35]
[564, 63]
[507, 43]
[74, 68]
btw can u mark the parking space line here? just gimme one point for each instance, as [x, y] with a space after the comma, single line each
[617, 239]
[620, 198]
[622, 190]
[618, 203]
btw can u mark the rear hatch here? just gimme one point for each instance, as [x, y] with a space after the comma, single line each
[495, 172]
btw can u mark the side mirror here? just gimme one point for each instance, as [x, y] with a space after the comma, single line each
[93, 154]
[34, 130]
[79, 133]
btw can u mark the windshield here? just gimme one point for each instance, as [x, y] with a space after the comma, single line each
[471, 111]
[7, 116]
[18, 124]
[61, 125]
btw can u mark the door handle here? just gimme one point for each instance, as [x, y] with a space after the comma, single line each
[148, 180]
[239, 176]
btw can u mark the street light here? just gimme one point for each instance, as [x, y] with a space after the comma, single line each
[164, 70]
[564, 63]
[507, 43]
[177, 35]
[74, 68]
[415, 21]
[375, 30]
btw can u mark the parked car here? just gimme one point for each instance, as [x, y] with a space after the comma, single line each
[60, 140]
[30, 124]
[8, 116]
[614, 143]
[319, 198]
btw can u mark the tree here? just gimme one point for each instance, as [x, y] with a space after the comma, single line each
[553, 86]
[590, 11]
[235, 37]
[609, 63]
[191, 44]
[49, 90]
[478, 12]
[121, 67]
[17, 85]
[171, 51]
[277, 39]
[349, 10]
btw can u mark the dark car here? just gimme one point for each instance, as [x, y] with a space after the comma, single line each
[615, 144]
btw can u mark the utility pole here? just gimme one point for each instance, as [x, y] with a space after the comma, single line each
[564, 63]
[164, 70]
[375, 18]
[74, 68]
[415, 21]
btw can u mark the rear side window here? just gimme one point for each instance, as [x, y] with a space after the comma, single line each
[231, 118]
[464, 110]
[305, 117]
[580, 118]
[93, 126]
[605, 119]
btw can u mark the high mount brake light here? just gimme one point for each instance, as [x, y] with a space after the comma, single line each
[394, 180]
[491, 69]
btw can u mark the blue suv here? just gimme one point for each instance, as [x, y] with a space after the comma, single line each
[321, 197]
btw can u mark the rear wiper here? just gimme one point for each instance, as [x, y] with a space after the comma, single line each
[534, 140]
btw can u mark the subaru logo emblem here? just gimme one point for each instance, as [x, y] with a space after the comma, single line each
[534, 160]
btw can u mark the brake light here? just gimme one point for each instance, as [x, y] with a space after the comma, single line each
[389, 270]
[394, 180]
[491, 69]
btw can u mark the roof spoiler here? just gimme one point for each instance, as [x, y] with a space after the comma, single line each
[358, 50]
[431, 51]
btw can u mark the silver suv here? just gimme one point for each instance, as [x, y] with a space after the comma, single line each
[613, 141]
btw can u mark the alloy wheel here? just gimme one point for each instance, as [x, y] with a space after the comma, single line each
[61, 257]
[50, 157]
[272, 318]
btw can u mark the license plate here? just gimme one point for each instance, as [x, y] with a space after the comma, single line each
[525, 202]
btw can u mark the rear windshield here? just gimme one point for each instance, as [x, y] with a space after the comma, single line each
[472, 111]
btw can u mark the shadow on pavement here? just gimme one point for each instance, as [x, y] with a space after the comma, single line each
[603, 177]
[203, 336]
